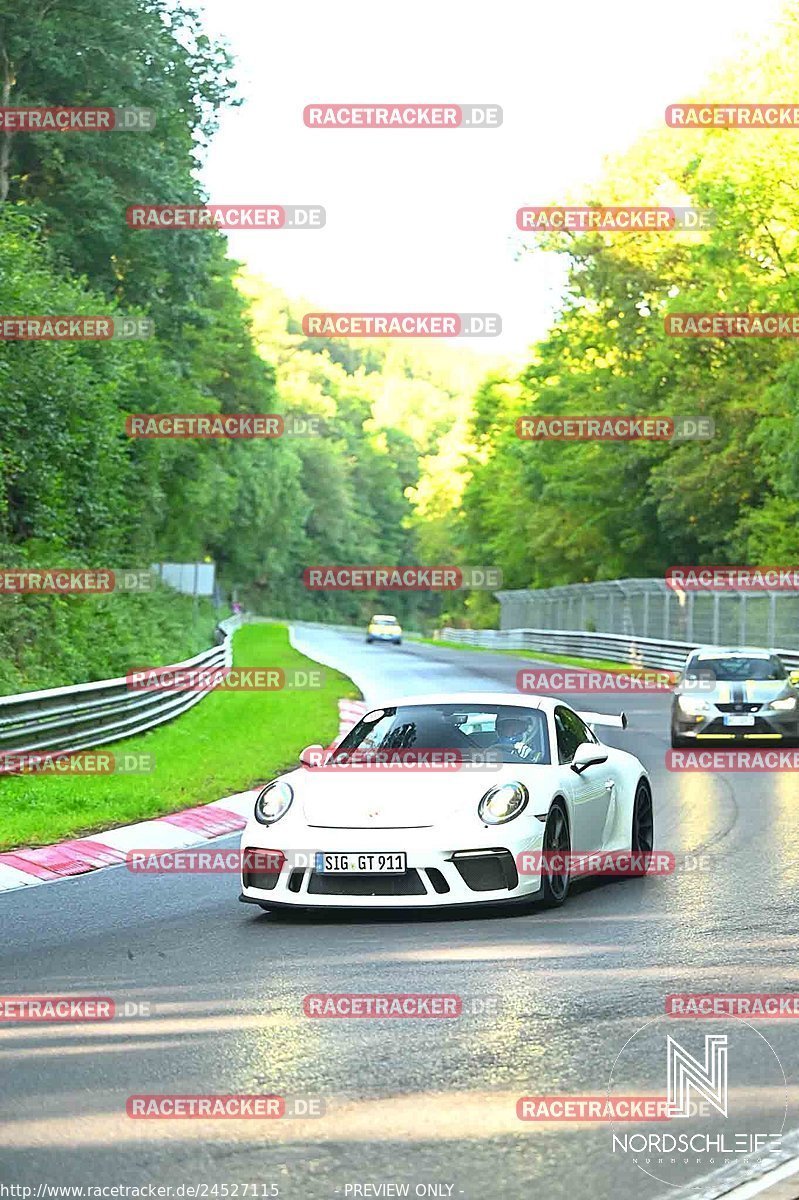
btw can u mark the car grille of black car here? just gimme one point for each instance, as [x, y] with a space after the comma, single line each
[738, 708]
[407, 884]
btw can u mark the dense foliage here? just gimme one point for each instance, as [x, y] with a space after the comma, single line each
[552, 513]
[417, 459]
[74, 490]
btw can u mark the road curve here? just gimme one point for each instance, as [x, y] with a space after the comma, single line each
[431, 1104]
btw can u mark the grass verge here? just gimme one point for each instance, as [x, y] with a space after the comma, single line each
[226, 743]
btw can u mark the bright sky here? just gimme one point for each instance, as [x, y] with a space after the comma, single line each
[425, 220]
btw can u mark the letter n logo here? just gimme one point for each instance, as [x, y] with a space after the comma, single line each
[686, 1072]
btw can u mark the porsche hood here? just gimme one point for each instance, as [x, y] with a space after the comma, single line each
[396, 798]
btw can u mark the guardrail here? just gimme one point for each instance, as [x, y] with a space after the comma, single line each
[68, 719]
[615, 647]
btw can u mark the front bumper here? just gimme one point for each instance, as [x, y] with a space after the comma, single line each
[521, 901]
[769, 726]
[435, 877]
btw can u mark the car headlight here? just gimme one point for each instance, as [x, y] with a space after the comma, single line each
[692, 705]
[273, 802]
[502, 803]
[784, 705]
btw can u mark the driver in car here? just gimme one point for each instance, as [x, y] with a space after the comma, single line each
[521, 734]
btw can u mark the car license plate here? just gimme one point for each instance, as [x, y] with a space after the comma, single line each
[736, 720]
[360, 864]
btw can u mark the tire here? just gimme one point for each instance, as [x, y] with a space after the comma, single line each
[555, 888]
[397, 641]
[642, 838]
[369, 641]
[677, 742]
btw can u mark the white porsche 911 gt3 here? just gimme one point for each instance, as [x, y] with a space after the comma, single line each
[437, 801]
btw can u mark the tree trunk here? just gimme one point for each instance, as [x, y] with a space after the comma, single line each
[5, 137]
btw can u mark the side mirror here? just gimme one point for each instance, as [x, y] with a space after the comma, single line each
[312, 756]
[588, 754]
[794, 678]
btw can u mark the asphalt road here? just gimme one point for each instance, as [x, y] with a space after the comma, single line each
[552, 1000]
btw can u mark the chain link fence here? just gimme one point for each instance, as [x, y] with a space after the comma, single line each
[648, 608]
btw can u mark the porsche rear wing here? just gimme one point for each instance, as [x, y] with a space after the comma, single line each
[618, 720]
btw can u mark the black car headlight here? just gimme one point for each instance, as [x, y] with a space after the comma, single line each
[273, 802]
[502, 803]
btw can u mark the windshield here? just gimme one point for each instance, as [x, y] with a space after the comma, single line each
[513, 734]
[384, 621]
[731, 669]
